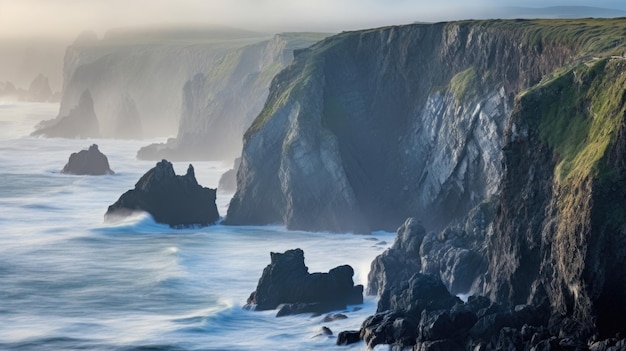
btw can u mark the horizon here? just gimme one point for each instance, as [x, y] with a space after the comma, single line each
[65, 19]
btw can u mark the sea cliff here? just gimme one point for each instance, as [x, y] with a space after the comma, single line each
[505, 138]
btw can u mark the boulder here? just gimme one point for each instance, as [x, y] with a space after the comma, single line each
[171, 199]
[88, 162]
[348, 337]
[287, 282]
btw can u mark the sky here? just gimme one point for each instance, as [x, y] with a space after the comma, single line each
[21, 18]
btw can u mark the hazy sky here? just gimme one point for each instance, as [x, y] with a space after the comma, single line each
[69, 17]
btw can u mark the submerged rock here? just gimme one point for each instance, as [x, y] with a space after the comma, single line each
[286, 282]
[88, 162]
[171, 199]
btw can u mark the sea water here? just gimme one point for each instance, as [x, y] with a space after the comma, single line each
[68, 281]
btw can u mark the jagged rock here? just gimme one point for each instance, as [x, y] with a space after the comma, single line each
[228, 180]
[171, 199]
[80, 122]
[88, 162]
[399, 262]
[286, 281]
[348, 337]
[399, 312]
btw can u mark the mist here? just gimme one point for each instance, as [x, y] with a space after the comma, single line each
[66, 18]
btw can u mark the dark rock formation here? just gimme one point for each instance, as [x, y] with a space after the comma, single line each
[171, 199]
[348, 337]
[88, 162]
[400, 312]
[549, 247]
[456, 254]
[80, 122]
[228, 180]
[397, 264]
[287, 284]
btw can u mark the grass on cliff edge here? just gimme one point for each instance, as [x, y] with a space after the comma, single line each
[579, 112]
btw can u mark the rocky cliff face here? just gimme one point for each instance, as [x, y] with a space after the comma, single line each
[525, 119]
[559, 229]
[368, 128]
[220, 104]
[151, 66]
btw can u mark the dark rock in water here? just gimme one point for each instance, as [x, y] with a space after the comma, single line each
[171, 199]
[324, 331]
[286, 281]
[400, 313]
[81, 122]
[334, 317]
[88, 162]
[348, 337]
[228, 180]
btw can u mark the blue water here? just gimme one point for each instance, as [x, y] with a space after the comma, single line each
[70, 282]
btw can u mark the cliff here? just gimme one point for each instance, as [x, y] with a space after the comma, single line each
[220, 104]
[149, 65]
[367, 128]
[560, 226]
[506, 138]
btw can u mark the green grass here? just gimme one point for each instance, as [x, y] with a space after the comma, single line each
[578, 114]
[463, 83]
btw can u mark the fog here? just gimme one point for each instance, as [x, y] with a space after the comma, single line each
[68, 17]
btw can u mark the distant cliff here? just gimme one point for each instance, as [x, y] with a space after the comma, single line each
[220, 104]
[147, 66]
[506, 138]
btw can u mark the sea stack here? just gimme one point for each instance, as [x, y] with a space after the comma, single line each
[287, 284]
[178, 201]
[81, 122]
[88, 162]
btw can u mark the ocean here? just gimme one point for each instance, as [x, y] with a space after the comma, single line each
[69, 281]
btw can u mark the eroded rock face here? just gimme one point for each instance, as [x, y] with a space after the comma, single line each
[171, 199]
[80, 122]
[287, 284]
[88, 162]
[391, 123]
[547, 249]
[400, 262]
